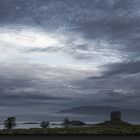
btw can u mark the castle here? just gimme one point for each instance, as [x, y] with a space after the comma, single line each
[115, 119]
[115, 116]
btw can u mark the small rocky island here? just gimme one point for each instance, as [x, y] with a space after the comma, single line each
[73, 123]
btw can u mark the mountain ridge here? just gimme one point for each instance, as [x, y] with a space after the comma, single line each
[127, 114]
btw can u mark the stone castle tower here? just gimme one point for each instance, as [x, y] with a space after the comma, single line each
[116, 116]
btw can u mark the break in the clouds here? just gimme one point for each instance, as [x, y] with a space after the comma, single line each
[60, 52]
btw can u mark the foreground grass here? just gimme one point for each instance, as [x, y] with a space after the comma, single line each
[135, 129]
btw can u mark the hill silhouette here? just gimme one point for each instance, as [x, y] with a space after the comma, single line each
[127, 114]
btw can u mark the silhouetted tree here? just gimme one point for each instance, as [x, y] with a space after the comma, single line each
[66, 122]
[44, 124]
[10, 123]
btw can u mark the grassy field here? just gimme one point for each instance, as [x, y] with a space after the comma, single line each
[135, 129]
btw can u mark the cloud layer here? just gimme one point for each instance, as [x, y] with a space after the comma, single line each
[79, 52]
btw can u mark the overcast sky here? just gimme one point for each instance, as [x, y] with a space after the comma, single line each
[57, 54]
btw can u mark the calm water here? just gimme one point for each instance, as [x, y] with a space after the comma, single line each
[21, 125]
[52, 125]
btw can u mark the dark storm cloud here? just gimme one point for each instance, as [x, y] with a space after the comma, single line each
[22, 87]
[118, 24]
[23, 92]
[98, 13]
[116, 21]
[118, 85]
[26, 100]
[124, 68]
[116, 69]
[120, 75]
[31, 84]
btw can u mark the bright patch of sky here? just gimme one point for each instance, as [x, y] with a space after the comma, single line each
[55, 49]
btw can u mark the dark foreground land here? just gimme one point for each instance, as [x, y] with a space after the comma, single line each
[135, 129]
